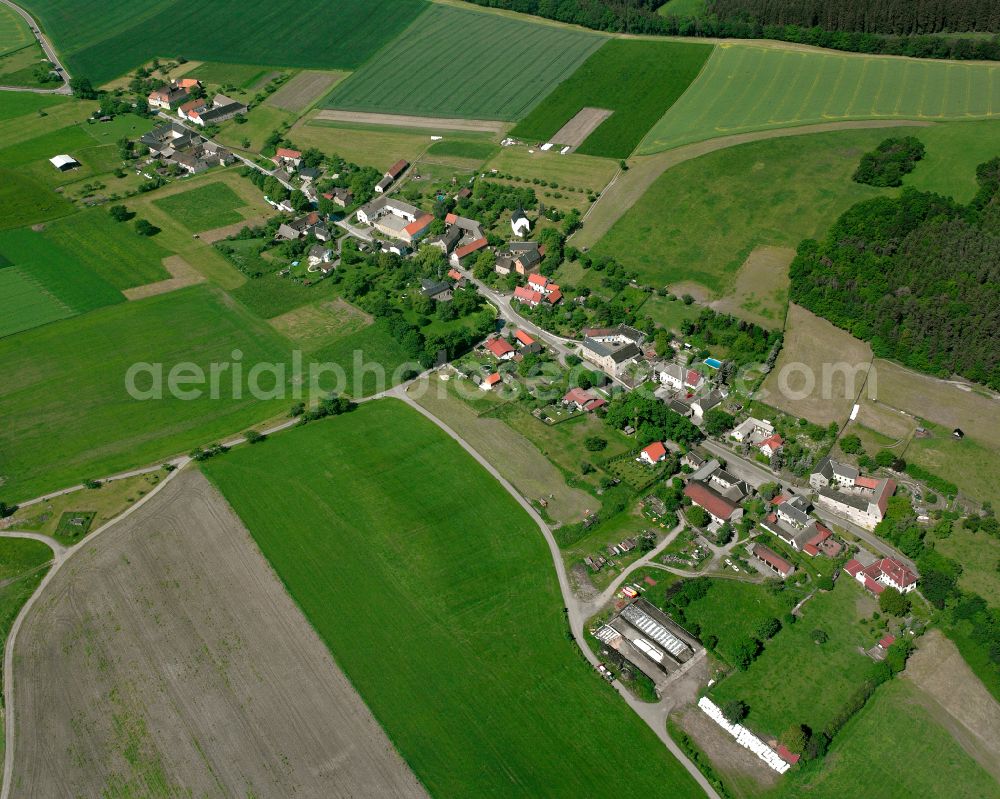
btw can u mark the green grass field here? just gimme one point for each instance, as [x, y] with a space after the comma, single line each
[14, 33]
[796, 681]
[64, 140]
[753, 87]
[954, 150]
[454, 62]
[204, 208]
[463, 149]
[242, 76]
[731, 611]
[637, 80]
[67, 415]
[25, 201]
[682, 8]
[110, 249]
[895, 747]
[118, 35]
[700, 220]
[442, 608]
[16, 104]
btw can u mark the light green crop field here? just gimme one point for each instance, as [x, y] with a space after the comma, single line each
[454, 62]
[25, 201]
[780, 686]
[67, 414]
[204, 208]
[24, 302]
[636, 80]
[110, 249]
[14, 33]
[240, 75]
[435, 593]
[873, 743]
[748, 87]
[119, 35]
[701, 219]
[16, 104]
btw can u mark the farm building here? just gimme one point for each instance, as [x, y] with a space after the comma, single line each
[171, 94]
[461, 255]
[772, 560]
[500, 348]
[720, 508]
[583, 400]
[522, 257]
[842, 489]
[751, 429]
[64, 163]
[883, 573]
[289, 159]
[201, 112]
[612, 358]
[391, 175]
[491, 382]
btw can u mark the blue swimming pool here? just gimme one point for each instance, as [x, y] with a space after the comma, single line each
[715, 364]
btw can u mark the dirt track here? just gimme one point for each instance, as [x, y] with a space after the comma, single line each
[167, 660]
[583, 123]
[401, 121]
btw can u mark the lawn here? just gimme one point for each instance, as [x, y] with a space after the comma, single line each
[204, 208]
[795, 680]
[456, 62]
[440, 595]
[732, 610]
[67, 414]
[467, 150]
[751, 87]
[895, 747]
[120, 34]
[262, 120]
[270, 295]
[637, 80]
[64, 140]
[25, 201]
[112, 250]
[954, 150]
[15, 104]
[701, 219]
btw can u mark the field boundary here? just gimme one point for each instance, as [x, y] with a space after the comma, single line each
[407, 121]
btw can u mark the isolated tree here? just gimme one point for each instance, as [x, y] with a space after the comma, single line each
[885, 458]
[83, 88]
[119, 213]
[718, 422]
[697, 516]
[7, 510]
[145, 228]
[851, 444]
[735, 711]
[767, 629]
[594, 443]
[795, 738]
[820, 636]
[745, 652]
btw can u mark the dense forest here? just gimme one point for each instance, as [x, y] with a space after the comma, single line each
[640, 16]
[893, 17]
[917, 275]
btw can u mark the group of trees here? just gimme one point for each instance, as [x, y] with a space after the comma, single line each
[886, 165]
[651, 418]
[893, 17]
[748, 19]
[744, 341]
[916, 275]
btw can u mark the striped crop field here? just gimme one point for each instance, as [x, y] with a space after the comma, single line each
[746, 88]
[14, 33]
[467, 64]
[102, 39]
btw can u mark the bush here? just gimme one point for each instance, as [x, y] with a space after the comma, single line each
[886, 165]
[595, 443]
[253, 437]
[735, 711]
[851, 444]
[145, 228]
[820, 636]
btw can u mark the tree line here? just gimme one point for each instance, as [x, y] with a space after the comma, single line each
[892, 17]
[916, 275]
[641, 17]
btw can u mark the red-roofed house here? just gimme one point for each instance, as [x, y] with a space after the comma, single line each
[527, 296]
[283, 157]
[692, 379]
[500, 348]
[188, 83]
[491, 382]
[583, 400]
[545, 287]
[886, 641]
[866, 482]
[417, 228]
[887, 572]
[717, 506]
[459, 255]
[772, 560]
[653, 454]
[553, 296]
[455, 275]
[771, 445]
[171, 94]
[524, 338]
[397, 169]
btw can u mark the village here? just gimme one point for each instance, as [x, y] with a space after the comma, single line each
[702, 481]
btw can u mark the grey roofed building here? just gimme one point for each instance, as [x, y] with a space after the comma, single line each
[679, 407]
[670, 373]
[621, 334]
[222, 112]
[371, 210]
[709, 401]
[794, 511]
[856, 501]
[830, 471]
[308, 172]
[706, 469]
[617, 354]
[440, 290]
[446, 241]
[383, 184]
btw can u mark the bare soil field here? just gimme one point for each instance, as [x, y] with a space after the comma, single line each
[820, 370]
[580, 126]
[404, 121]
[956, 698]
[741, 769]
[306, 88]
[948, 403]
[322, 321]
[165, 659]
[513, 455]
[183, 274]
[760, 293]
